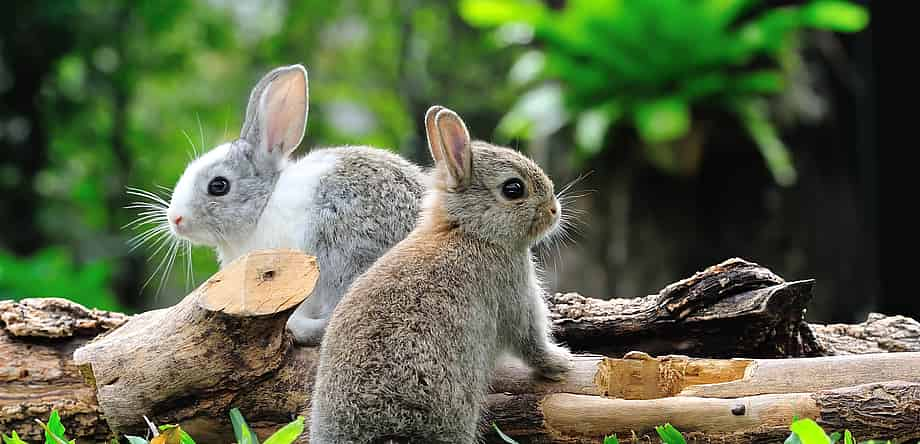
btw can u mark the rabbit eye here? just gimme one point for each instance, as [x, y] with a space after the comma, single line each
[219, 186]
[513, 189]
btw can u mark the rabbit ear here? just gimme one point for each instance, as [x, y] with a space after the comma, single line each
[276, 116]
[434, 137]
[456, 150]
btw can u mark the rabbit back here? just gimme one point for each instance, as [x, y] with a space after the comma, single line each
[428, 293]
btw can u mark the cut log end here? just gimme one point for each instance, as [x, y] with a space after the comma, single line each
[260, 283]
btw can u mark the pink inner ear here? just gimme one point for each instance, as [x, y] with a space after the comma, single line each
[431, 131]
[285, 112]
[456, 141]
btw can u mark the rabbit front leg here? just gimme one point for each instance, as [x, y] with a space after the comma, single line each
[308, 322]
[535, 345]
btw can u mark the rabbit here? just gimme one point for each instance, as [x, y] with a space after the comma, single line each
[344, 205]
[411, 348]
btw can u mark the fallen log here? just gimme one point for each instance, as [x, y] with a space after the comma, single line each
[216, 349]
[889, 410]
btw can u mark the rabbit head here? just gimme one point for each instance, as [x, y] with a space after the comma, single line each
[221, 195]
[487, 191]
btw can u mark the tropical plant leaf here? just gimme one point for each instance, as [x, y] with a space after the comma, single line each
[835, 15]
[502, 435]
[809, 432]
[288, 433]
[662, 120]
[54, 430]
[498, 12]
[14, 439]
[244, 435]
[774, 151]
[670, 435]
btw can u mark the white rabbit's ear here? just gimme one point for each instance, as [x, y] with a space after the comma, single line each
[456, 149]
[276, 116]
[434, 137]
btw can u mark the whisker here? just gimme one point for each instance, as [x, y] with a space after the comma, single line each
[158, 238]
[147, 195]
[155, 271]
[194, 154]
[144, 220]
[200, 130]
[575, 181]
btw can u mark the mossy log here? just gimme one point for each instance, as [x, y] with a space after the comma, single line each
[225, 346]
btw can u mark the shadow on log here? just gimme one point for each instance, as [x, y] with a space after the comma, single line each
[218, 349]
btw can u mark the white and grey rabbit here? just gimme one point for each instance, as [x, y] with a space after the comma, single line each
[411, 348]
[345, 205]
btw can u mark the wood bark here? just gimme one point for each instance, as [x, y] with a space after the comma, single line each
[216, 349]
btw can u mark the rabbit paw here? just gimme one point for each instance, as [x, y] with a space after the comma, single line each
[554, 363]
[306, 331]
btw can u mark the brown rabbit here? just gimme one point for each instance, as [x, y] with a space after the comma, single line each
[410, 350]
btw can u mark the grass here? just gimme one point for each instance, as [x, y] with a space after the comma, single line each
[170, 433]
[803, 431]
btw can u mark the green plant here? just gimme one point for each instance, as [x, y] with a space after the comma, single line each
[503, 436]
[601, 62]
[806, 431]
[171, 433]
[245, 435]
[670, 435]
[54, 432]
[51, 272]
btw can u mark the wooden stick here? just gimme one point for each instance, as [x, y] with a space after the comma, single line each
[889, 410]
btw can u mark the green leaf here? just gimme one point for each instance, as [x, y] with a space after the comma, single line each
[12, 439]
[591, 126]
[55, 426]
[835, 15]
[809, 432]
[848, 437]
[54, 430]
[793, 439]
[612, 439]
[774, 151]
[241, 430]
[835, 437]
[670, 435]
[288, 433]
[486, 13]
[662, 120]
[503, 436]
[135, 439]
[184, 437]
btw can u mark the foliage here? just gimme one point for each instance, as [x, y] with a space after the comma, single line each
[670, 435]
[139, 83]
[51, 272]
[171, 433]
[804, 431]
[602, 62]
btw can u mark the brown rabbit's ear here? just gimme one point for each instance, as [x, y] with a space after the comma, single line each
[276, 116]
[434, 137]
[456, 149]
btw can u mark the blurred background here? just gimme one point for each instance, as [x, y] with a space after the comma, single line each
[700, 129]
